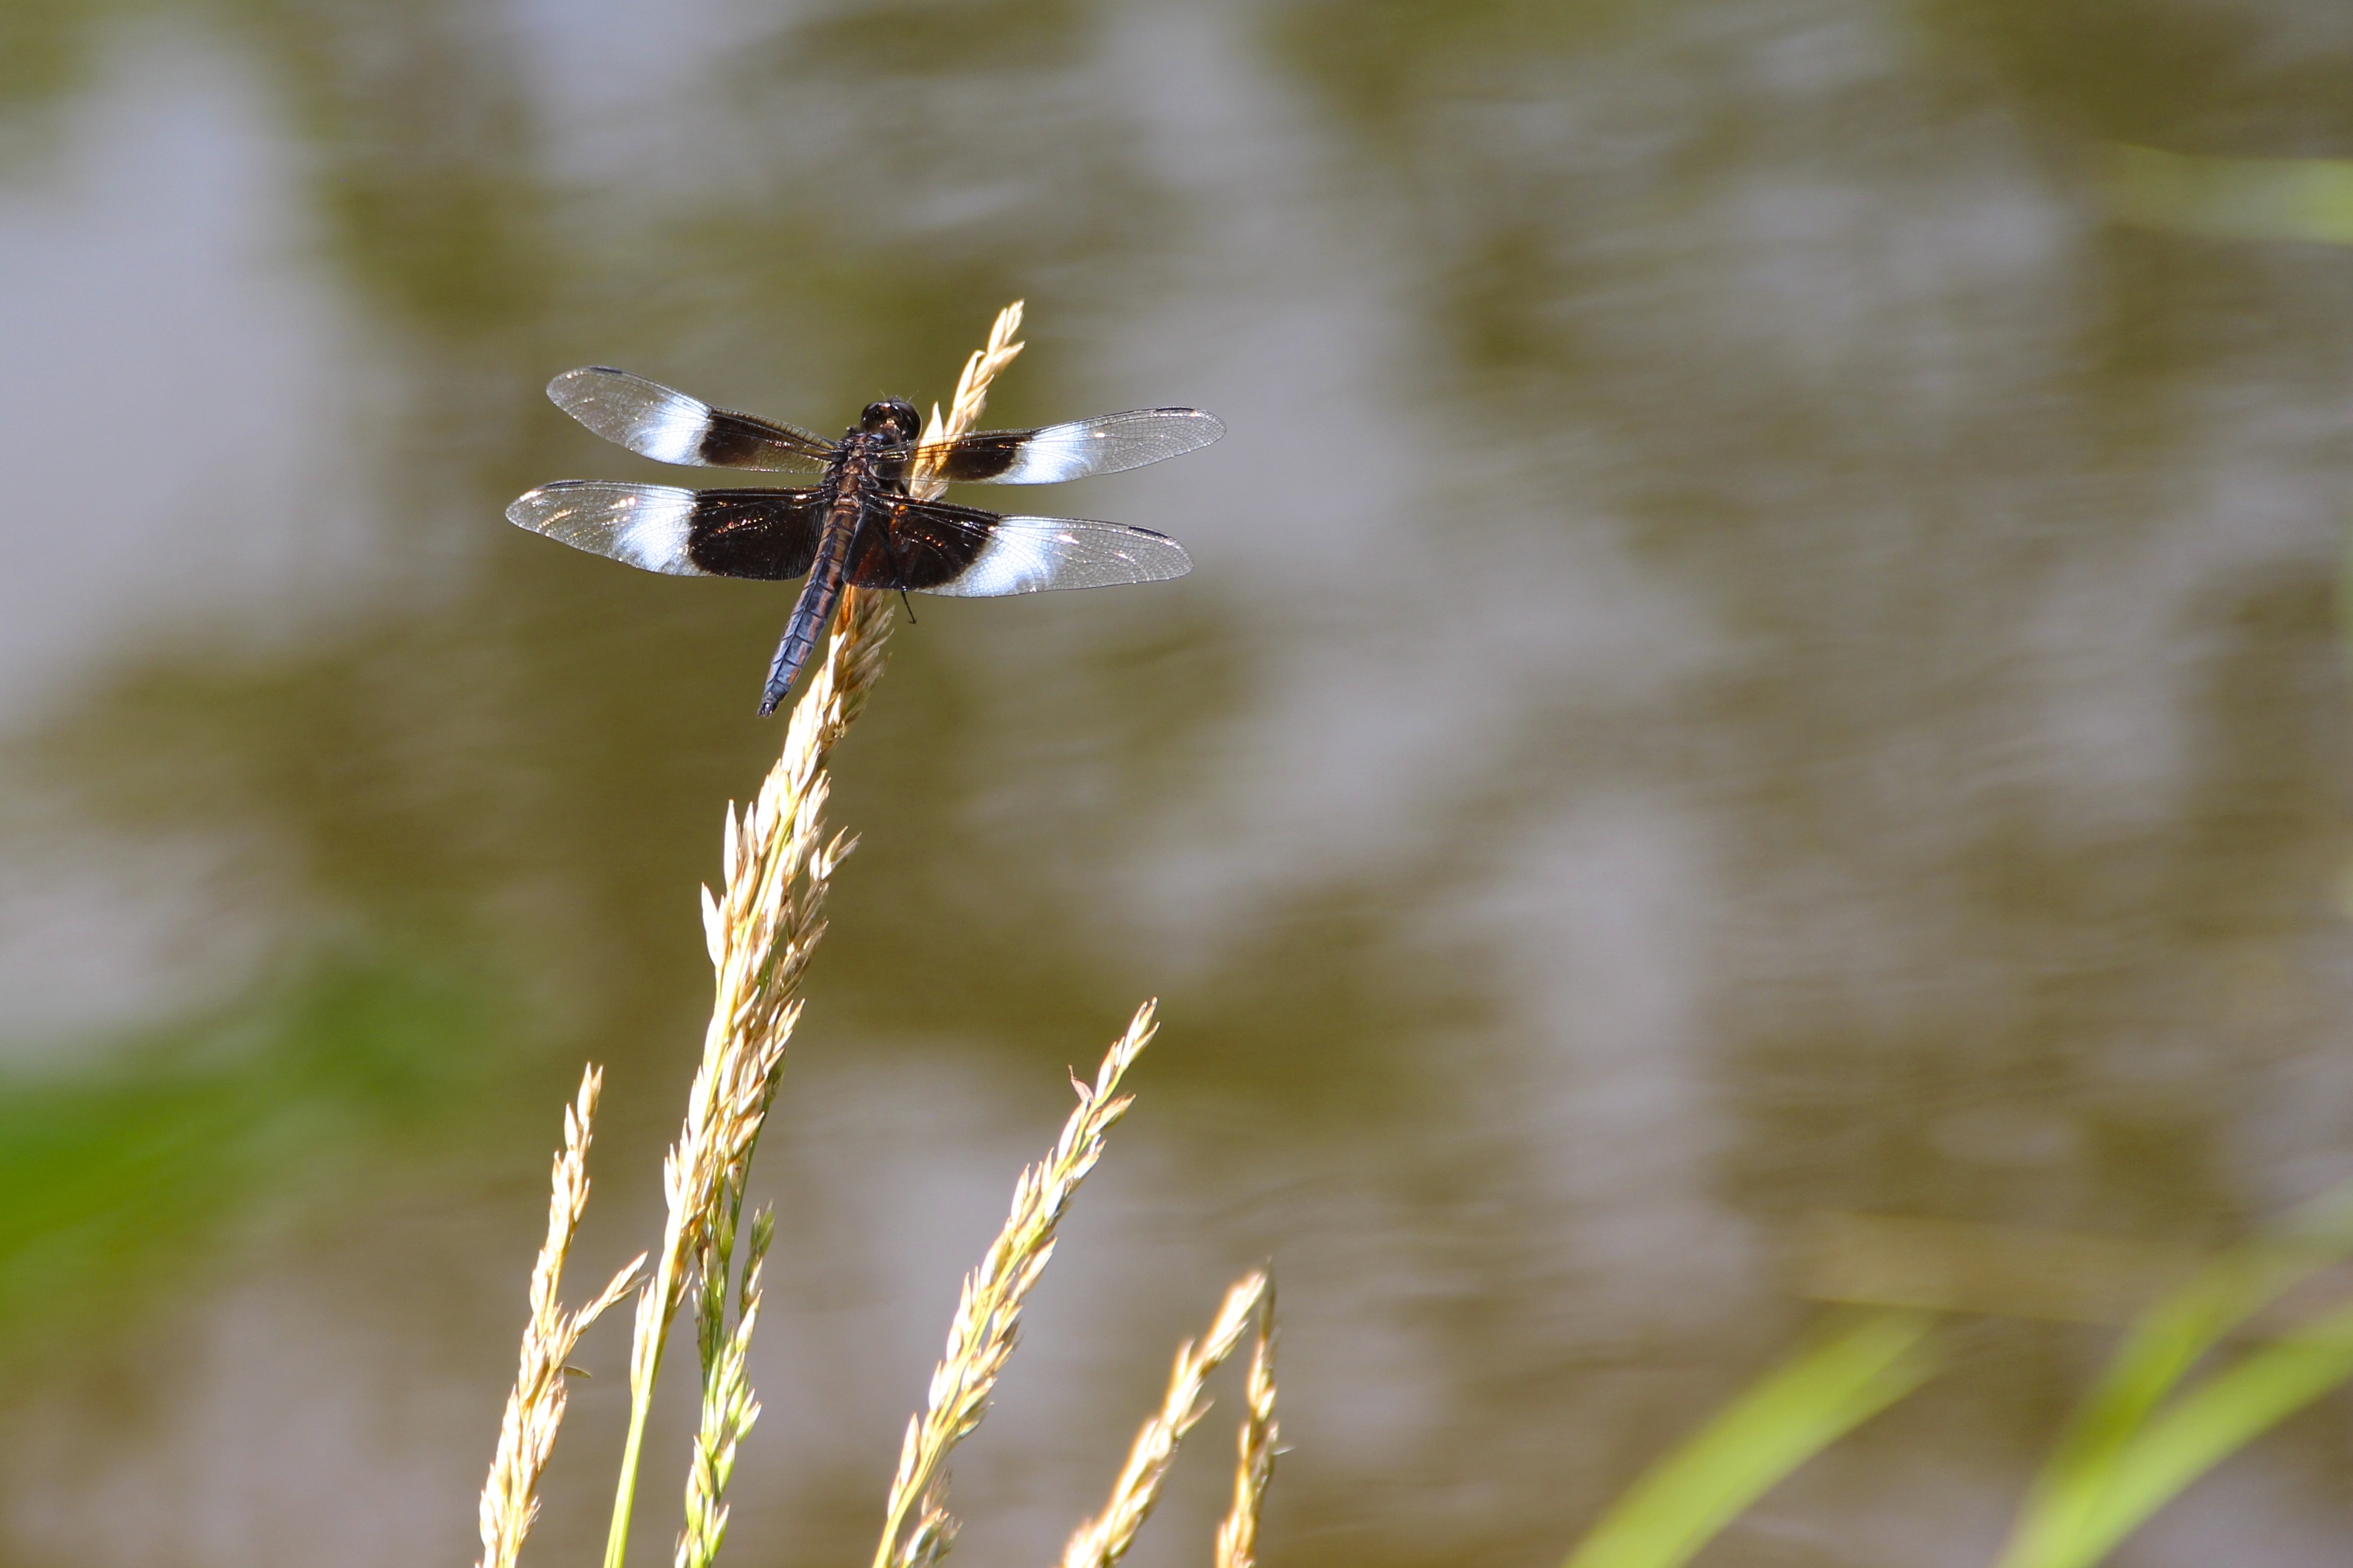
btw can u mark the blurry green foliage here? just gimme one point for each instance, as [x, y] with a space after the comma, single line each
[2139, 1441]
[120, 1182]
[2136, 1442]
[1794, 1412]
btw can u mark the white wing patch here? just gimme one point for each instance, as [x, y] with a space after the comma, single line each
[1014, 561]
[654, 533]
[1058, 452]
[673, 432]
[646, 526]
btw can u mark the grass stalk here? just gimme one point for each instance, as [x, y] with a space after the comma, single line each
[535, 1408]
[761, 930]
[728, 1410]
[989, 1310]
[1104, 1539]
[1254, 1469]
[924, 481]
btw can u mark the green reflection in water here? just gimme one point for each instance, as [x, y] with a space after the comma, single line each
[44, 51]
[2231, 198]
[124, 1183]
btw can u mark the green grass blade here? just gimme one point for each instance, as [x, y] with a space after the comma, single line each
[2159, 1350]
[2201, 1429]
[2075, 1492]
[1794, 1412]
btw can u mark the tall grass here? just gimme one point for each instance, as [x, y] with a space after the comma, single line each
[761, 928]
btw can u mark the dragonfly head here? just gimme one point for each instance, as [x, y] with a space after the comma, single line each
[893, 417]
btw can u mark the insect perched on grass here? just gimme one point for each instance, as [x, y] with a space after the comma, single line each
[858, 523]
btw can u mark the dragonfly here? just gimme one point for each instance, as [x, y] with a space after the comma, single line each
[856, 524]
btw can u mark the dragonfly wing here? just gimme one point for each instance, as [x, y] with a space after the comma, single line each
[761, 533]
[661, 423]
[964, 553]
[1106, 445]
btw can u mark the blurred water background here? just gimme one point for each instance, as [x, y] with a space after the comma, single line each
[1765, 647]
